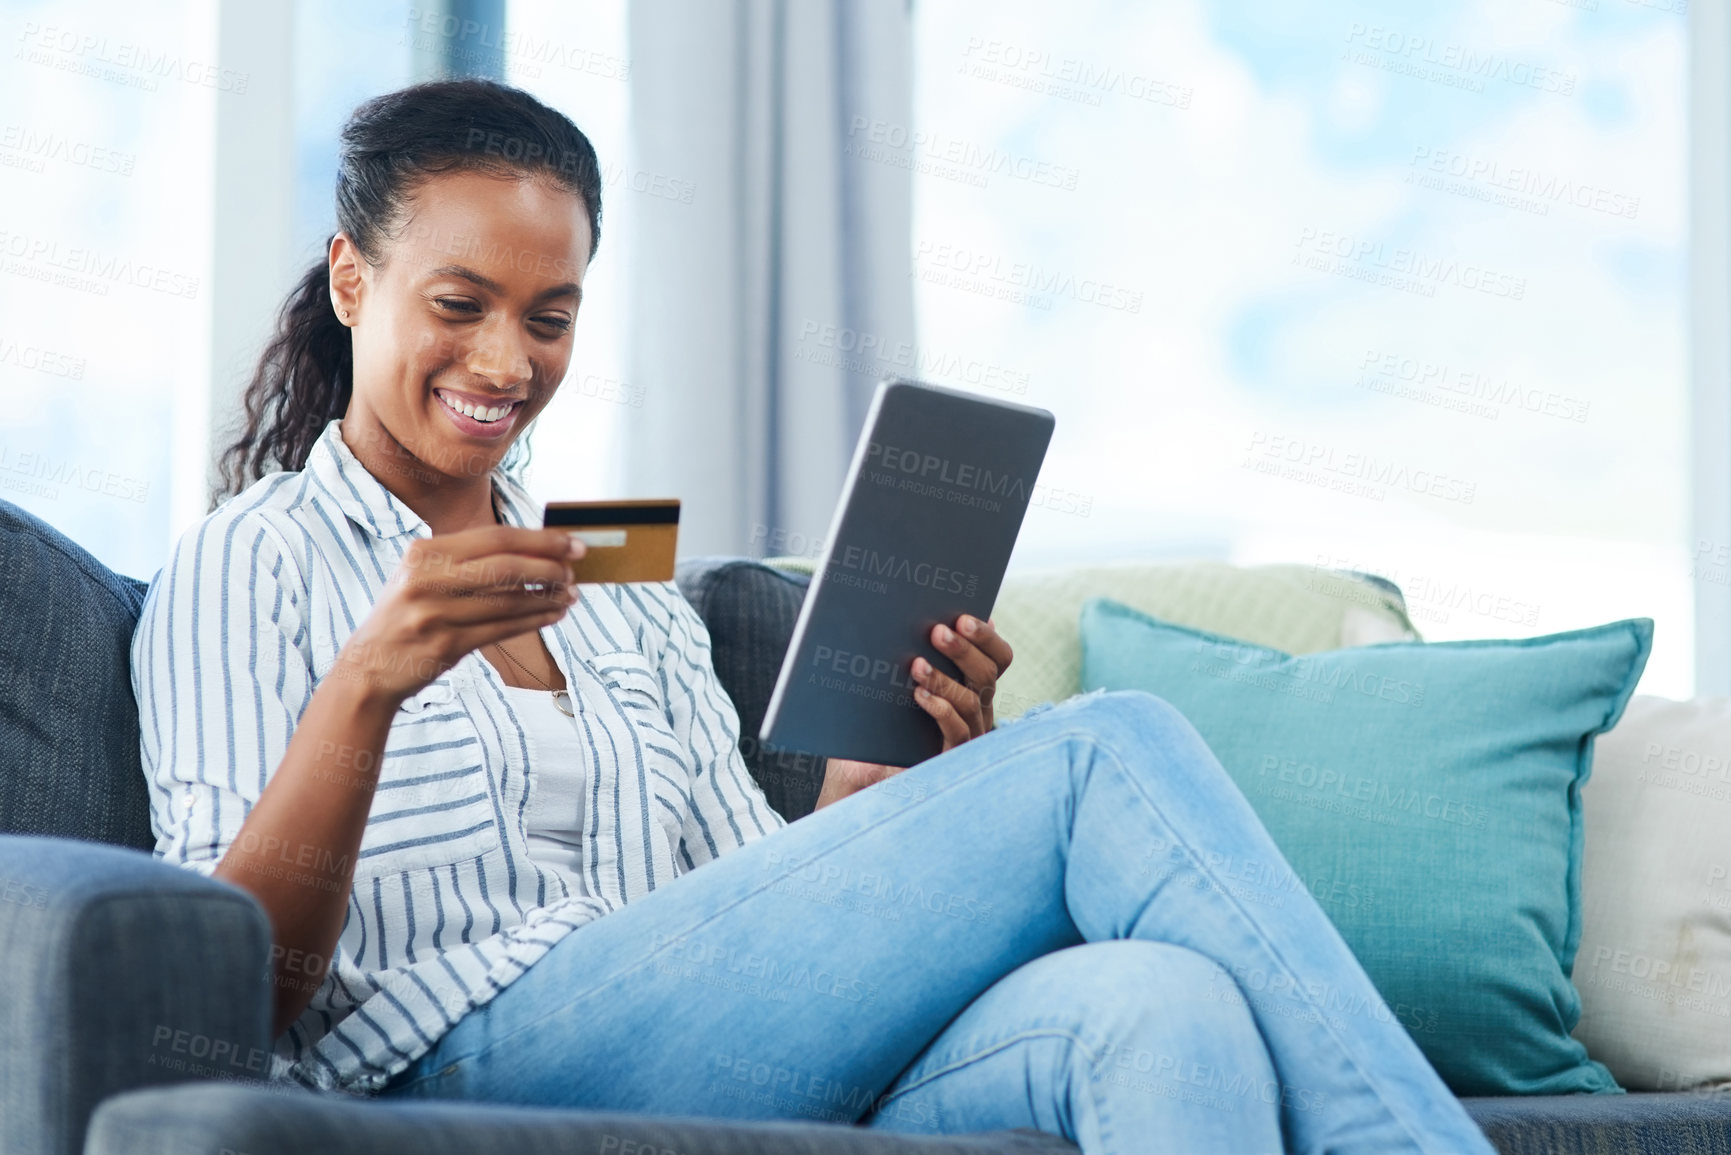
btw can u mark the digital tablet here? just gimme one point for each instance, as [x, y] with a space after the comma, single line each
[929, 513]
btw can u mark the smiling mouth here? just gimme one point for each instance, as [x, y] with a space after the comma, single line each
[485, 414]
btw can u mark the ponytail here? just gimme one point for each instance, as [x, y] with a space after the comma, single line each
[303, 380]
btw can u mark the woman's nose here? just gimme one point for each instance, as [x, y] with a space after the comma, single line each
[500, 354]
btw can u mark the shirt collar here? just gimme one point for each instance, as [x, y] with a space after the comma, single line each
[365, 500]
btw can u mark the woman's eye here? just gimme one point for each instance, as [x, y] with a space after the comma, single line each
[554, 325]
[457, 305]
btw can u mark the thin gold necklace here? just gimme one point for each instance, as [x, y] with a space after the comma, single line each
[561, 698]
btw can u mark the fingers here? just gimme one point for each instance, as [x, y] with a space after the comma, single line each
[505, 607]
[438, 573]
[473, 637]
[951, 724]
[494, 556]
[469, 544]
[980, 637]
[503, 572]
[977, 666]
[955, 707]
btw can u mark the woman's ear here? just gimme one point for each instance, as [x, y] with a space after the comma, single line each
[346, 280]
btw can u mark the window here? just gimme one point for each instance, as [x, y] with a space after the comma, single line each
[572, 55]
[104, 247]
[1339, 284]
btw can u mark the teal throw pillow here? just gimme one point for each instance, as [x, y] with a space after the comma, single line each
[1429, 796]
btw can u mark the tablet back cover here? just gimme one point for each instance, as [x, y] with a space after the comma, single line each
[934, 499]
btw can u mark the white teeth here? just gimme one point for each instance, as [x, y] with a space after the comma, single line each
[484, 414]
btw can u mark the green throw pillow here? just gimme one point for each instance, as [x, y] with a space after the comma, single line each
[1429, 797]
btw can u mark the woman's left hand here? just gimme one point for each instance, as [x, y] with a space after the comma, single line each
[962, 710]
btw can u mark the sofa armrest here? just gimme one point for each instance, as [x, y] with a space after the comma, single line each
[212, 1119]
[121, 972]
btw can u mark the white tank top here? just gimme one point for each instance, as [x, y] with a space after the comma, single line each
[557, 758]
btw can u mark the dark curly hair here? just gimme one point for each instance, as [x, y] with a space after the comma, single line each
[389, 145]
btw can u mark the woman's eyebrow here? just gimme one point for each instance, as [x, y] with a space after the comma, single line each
[463, 272]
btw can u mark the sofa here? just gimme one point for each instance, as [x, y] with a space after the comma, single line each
[115, 1041]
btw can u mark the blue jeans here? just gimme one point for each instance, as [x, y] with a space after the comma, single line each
[1074, 923]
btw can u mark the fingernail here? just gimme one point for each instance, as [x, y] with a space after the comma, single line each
[577, 548]
[968, 624]
[944, 634]
[921, 693]
[921, 667]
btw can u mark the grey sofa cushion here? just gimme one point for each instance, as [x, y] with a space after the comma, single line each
[119, 972]
[750, 609]
[69, 760]
[1672, 1123]
[211, 1119]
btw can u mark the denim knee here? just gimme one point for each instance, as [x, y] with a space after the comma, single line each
[1124, 718]
[1132, 979]
[1156, 1009]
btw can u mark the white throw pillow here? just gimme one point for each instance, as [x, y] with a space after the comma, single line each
[1654, 968]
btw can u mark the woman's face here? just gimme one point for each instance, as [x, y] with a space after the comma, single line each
[463, 331]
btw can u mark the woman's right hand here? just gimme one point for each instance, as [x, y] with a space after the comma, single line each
[454, 593]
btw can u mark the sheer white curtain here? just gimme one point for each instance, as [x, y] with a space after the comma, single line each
[770, 285]
[1710, 292]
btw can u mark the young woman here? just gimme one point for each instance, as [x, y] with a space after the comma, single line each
[505, 838]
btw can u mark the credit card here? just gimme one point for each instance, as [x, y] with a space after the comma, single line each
[629, 541]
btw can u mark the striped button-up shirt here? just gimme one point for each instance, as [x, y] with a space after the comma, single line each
[447, 907]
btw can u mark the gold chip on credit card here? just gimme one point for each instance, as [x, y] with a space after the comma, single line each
[629, 541]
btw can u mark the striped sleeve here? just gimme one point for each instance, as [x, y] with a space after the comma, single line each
[728, 808]
[220, 671]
